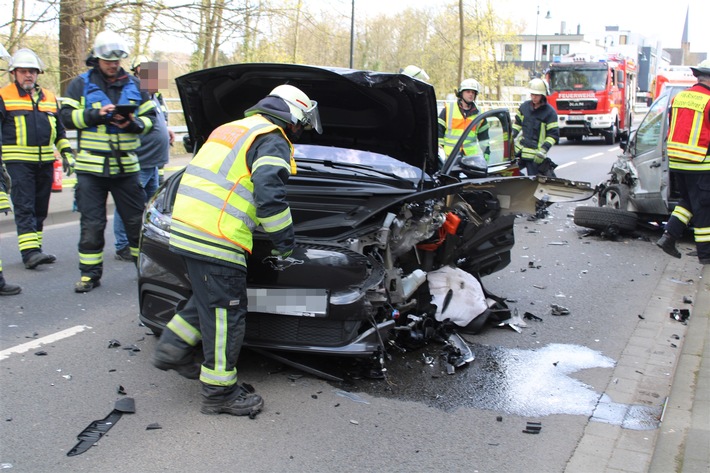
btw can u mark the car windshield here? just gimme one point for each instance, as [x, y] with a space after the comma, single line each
[331, 159]
[578, 79]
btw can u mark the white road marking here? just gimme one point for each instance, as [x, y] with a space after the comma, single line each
[562, 166]
[592, 156]
[41, 341]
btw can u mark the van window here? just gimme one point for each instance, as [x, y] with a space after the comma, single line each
[649, 132]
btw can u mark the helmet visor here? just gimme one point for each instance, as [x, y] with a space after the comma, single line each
[311, 118]
[109, 54]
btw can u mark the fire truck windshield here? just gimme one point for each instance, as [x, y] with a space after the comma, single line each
[578, 79]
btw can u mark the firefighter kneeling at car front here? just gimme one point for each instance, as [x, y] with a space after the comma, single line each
[234, 183]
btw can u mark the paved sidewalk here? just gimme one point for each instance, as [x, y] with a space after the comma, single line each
[663, 360]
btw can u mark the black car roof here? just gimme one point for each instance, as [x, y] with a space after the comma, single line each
[386, 113]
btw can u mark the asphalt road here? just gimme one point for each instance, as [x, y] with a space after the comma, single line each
[420, 419]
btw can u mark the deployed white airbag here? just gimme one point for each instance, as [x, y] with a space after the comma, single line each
[466, 301]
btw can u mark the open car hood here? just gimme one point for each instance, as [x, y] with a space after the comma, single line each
[391, 114]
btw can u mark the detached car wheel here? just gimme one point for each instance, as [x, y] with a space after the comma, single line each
[606, 219]
[615, 196]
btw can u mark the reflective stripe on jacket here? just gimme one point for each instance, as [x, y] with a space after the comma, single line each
[689, 131]
[214, 214]
[539, 128]
[30, 129]
[455, 124]
[106, 149]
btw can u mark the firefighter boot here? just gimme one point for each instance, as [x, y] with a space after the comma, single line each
[172, 357]
[86, 284]
[9, 289]
[37, 258]
[235, 400]
[667, 244]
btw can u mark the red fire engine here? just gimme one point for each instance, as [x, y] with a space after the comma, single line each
[593, 97]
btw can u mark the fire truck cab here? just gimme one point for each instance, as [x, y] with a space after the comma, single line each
[593, 96]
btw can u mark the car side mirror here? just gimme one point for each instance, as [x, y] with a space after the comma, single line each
[474, 166]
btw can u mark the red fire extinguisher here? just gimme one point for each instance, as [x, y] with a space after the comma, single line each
[58, 174]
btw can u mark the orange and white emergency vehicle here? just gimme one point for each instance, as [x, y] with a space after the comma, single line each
[672, 75]
[593, 96]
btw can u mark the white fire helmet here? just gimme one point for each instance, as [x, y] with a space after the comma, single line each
[303, 110]
[26, 58]
[109, 46]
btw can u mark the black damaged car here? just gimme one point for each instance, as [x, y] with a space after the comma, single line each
[374, 207]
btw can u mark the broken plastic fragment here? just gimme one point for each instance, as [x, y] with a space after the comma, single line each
[41, 353]
[121, 390]
[127, 405]
[154, 426]
[529, 316]
[514, 322]
[449, 368]
[113, 343]
[462, 352]
[681, 315]
[133, 348]
[533, 428]
[559, 310]
[95, 430]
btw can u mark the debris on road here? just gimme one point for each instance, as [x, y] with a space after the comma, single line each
[533, 428]
[556, 309]
[530, 316]
[515, 322]
[681, 315]
[95, 430]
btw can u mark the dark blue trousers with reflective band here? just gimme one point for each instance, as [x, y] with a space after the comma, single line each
[91, 195]
[218, 309]
[694, 188]
[31, 188]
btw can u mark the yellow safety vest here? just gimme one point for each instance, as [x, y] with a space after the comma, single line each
[456, 123]
[689, 131]
[214, 213]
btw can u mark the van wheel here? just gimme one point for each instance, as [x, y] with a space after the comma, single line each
[606, 219]
[615, 196]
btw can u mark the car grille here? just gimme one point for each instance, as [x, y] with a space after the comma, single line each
[576, 105]
[265, 328]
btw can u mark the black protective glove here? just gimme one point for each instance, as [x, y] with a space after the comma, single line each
[68, 162]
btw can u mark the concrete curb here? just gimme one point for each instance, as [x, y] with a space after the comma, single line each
[683, 443]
